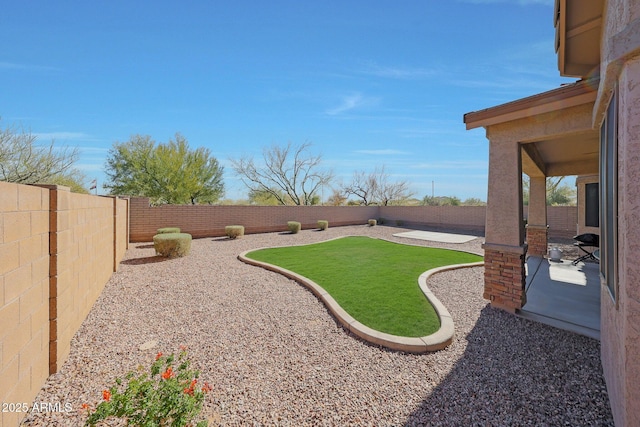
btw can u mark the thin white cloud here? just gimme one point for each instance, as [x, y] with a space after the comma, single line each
[352, 102]
[452, 164]
[63, 136]
[385, 152]
[90, 167]
[10, 66]
[401, 72]
[4, 65]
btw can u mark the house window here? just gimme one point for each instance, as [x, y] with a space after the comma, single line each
[609, 197]
[592, 205]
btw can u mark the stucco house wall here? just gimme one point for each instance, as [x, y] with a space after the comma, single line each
[620, 323]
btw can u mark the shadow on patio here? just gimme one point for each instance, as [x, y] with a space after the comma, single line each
[563, 295]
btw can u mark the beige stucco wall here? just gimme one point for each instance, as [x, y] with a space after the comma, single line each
[620, 323]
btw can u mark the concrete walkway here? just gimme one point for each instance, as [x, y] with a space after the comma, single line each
[435, 236]
[563, 295]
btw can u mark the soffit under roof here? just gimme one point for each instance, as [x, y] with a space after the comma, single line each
[578, 26]
[575, 154]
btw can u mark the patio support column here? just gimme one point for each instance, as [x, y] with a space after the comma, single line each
[537, 228]
[504, 247]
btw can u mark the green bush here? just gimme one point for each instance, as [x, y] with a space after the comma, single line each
[168, 230]
[399, 222]
[323, 225]
[234, 231]
[294, 226]
[372, 222]
[172, 244]
[381, 221]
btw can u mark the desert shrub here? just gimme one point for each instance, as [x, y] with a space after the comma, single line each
[381, 221]
[172, 244]
[294, 226]
[168, 230]
[399, 222]
[372, 222]
[234, 231]
[323, 225]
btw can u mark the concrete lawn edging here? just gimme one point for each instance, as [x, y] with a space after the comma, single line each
[434, 342]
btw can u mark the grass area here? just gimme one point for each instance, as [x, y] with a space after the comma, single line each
[375, 281]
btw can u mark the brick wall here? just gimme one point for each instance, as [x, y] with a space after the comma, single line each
[57, 251]
[209, 221]
[460, 217]
[504, 278]
[562, 221]
[537, 240]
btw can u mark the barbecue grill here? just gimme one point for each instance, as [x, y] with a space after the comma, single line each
[584, 241]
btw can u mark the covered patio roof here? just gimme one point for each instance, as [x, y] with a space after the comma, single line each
[547, 151]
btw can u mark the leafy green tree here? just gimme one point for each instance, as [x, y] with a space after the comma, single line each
[168, 173]
[441, 201]
[557, 193]
[474, 201]
[23, 161]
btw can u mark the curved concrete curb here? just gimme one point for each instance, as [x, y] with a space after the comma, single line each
[436, 341]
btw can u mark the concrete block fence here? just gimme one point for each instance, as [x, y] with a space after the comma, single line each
[210, 221]
[57, 251]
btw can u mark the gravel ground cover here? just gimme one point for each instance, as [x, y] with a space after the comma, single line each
[274, 355]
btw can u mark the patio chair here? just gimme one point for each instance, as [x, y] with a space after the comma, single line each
[586, 240]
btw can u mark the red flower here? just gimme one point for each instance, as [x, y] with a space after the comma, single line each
[159, 355]
[85, 406]
[106, 395]
[168, 373]
[206, 388]
[189, 391]
[183, 347]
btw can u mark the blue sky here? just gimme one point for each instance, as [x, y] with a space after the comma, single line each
[369, 83]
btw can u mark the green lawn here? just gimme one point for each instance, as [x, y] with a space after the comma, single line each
[375, 281]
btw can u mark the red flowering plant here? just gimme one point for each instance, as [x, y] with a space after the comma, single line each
[169, 396]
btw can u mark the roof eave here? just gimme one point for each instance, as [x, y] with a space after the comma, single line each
[574, 94]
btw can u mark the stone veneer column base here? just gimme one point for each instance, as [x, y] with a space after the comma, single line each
[504, 276]
[537, 238]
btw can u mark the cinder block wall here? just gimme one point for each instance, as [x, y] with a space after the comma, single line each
[562, 220]
[86, 247]
[210, 221]
[57, 251]
[24, 292]
[460, 217]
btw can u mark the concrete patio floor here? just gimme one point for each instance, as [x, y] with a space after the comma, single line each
[563, 295]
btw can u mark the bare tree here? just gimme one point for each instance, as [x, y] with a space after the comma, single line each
[362, 186]
[24, 161]
[290, 174]
[376, 188]
[337, 198]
